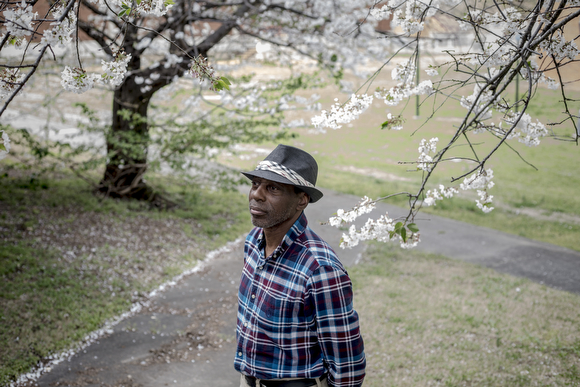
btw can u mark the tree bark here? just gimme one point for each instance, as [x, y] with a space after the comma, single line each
[127, 144]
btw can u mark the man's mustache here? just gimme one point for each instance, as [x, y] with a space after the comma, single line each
[254, 204]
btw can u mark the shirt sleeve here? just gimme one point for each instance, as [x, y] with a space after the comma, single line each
[329, 297]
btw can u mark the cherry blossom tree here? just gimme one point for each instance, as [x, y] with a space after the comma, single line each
[535, 41]
[182, 34]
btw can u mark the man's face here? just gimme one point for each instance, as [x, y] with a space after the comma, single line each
[272, 203]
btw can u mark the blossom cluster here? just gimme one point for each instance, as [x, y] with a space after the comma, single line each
[61, 32]
[432, 71]
[78, 81]
[144, 7]
[18, 20]
[479, 102]
[559, 47]
[202, 70]
[535, 74]
[381, 229]
[342, 114]
[425, 161]
[529, 132]
[410, 15]
[393, 122]
[404, 74]
[365, 206]
[431, 196]
[9, 81]
[384, 229]
[114, 71]
[480, 181]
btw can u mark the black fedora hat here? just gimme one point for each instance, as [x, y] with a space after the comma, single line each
[289, 165]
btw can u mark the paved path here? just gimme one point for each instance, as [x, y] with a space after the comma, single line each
[187, 336]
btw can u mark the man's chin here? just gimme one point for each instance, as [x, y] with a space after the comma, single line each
[264, 221]
[257, 222]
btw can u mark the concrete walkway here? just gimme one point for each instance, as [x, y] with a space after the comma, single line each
[187, 336]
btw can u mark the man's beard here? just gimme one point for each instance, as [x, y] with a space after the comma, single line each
[273, 217]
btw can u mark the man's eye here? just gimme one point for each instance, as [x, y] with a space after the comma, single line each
[273, 188]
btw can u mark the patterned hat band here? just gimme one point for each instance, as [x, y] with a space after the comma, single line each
[283, 171]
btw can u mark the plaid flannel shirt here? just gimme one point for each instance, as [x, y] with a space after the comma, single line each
[295, 312]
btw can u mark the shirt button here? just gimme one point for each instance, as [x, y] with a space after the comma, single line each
[245, 324]
[239, 354]
[253, 296]
[260, 267]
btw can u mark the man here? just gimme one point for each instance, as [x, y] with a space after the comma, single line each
[296, 322]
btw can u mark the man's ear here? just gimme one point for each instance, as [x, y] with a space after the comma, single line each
[303, 201]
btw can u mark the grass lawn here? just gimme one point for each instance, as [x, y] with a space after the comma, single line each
[69, 261]
[431, 321]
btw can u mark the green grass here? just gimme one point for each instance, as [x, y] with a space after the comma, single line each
[47, 307]
[428, 320]
[69, 261]
[361, 159]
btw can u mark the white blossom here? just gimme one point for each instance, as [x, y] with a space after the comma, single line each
[365, 206]
[61, 32]
[9, 81]
[426, 147]
[432, 196]
[552, 84]
[381, 13]
[479, 102]
[393, 122]
[395, 95]
[411, 19]
[432, 72]
[114, 71]
[147, 7]
[480, 181]
[484, 200]
[559, 47]
[404, 72]
[339, 115]
[18, 20]
[529, 132]
[382, 230]
[77, 80]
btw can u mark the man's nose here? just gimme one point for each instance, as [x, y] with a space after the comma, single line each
[257, 192]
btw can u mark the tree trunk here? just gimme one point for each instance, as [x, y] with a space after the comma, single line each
[127, 144]
[128, 139]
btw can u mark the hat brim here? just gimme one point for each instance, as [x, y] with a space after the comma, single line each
[313, 193]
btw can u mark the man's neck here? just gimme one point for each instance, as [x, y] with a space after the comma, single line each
[274, 235]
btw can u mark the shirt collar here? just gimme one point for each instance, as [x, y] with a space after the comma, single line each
[295, 231]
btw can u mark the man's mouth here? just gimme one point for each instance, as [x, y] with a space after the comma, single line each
[257, 211]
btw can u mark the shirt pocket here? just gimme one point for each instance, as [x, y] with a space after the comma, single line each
[280, 310]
